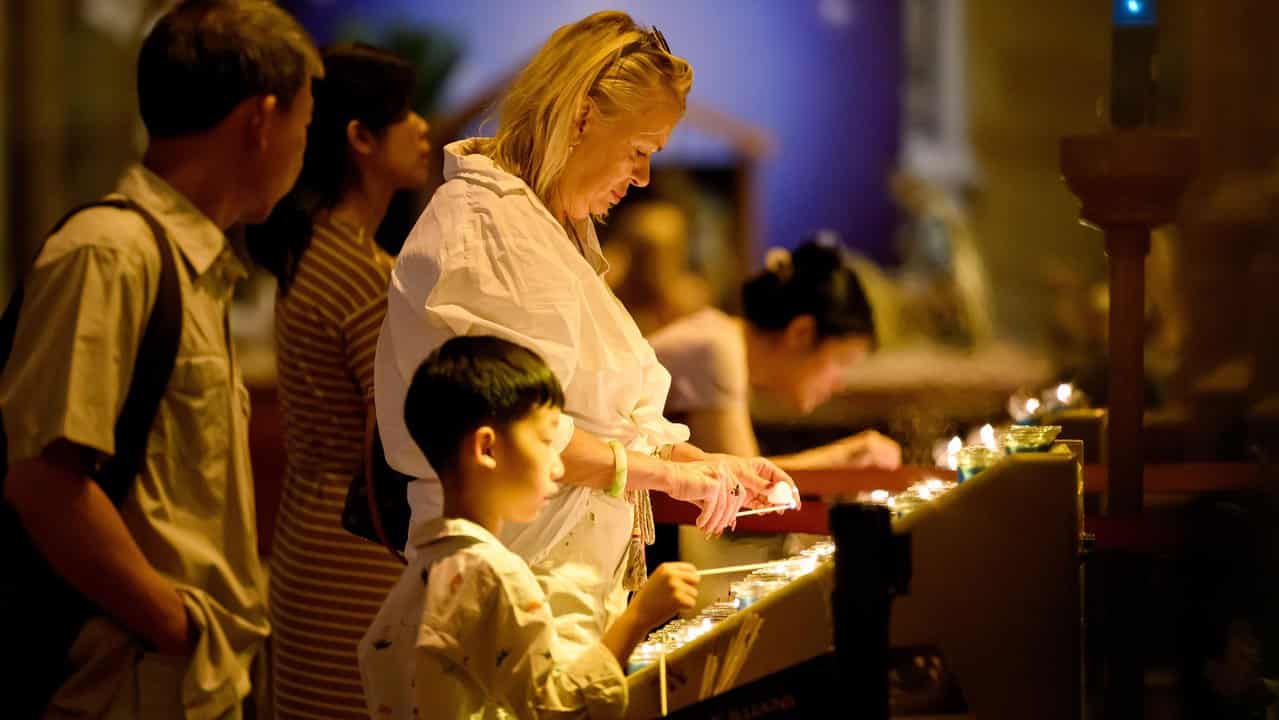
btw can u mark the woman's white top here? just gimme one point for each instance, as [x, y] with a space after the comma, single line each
[487, 258]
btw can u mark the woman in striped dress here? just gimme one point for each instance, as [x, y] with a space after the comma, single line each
[363, 145]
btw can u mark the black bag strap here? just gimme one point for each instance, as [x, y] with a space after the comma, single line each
[156, 356]
[373, 446]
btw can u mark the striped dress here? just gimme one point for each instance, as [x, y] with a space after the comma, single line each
[326, 584]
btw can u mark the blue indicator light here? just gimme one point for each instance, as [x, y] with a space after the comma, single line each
[1134, 12]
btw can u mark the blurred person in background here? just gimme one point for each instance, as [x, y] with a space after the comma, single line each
[806, 323]
[365, 143]
[942, 288]
[507, 247]
[647, 252]
[167, 566]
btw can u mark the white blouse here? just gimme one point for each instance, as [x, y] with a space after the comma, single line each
[467, 633]
[487, 258]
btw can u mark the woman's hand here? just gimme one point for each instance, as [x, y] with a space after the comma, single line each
[758, 477]
[722, 484]
[867, 449]
[707, 486]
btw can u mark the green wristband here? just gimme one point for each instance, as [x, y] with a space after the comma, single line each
[619, 469]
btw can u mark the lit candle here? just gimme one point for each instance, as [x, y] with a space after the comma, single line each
[1022, 407]
[987, 435]
[780, 494]
[879, 496]
[1064, 393]
[944, 452]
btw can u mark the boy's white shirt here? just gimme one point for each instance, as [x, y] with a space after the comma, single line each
[467, 632]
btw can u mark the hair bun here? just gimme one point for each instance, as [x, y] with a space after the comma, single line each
[778, 262]
[815, 279]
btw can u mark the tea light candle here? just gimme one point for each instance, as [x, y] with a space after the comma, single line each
[944, 452]
[781, 494]
[1065, 392]
[1022, 408]
[987, 435]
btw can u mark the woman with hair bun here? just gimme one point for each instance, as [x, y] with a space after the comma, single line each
[807, 322]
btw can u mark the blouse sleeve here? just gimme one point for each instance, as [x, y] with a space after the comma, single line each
[467, 276]
[495, 626]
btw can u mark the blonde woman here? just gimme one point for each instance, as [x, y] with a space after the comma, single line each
[507, 247]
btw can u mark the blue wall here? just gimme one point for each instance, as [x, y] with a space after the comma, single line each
[821, 76]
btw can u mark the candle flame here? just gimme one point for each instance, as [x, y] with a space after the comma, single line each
[1032, 406]
[987, 434]
[1064, 391]
[952, 450]
[879, 496]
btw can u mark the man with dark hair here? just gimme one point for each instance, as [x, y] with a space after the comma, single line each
[167, 563]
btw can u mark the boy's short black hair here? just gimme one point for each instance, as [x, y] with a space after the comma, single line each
[205, 57]
[469, 382]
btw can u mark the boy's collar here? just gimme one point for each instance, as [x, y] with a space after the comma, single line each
[441, 528]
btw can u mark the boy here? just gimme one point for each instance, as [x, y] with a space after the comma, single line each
[467, 631]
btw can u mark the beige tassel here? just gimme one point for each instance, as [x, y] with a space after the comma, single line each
[642, 533]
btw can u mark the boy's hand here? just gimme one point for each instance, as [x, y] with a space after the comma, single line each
[672, 588]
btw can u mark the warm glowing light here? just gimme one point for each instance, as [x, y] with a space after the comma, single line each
[879, 496]
[1064, 391]
[952, 450]
[987, 434]
[1032, 406]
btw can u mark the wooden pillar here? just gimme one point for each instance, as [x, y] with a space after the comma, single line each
[1128, 182]
[38, 117]
[8, 258]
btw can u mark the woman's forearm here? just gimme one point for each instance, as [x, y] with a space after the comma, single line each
[588, 462]
[813, 458]
[687, 452]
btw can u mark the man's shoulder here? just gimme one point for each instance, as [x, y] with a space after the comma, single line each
[122, 232]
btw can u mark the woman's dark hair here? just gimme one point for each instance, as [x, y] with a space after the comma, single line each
[815, 280]
[471, 381]
[360, 83]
